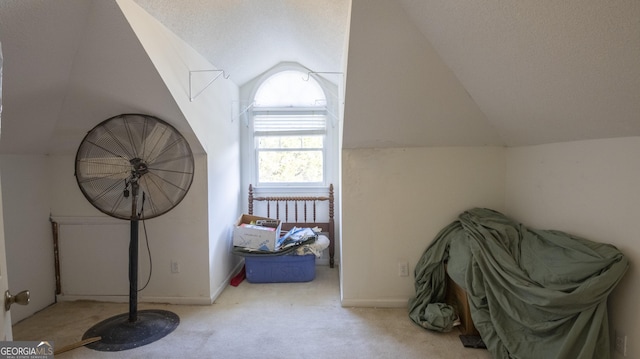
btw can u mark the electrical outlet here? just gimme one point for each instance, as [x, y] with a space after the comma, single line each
[621, 343]
[403, 269]
[175, 267]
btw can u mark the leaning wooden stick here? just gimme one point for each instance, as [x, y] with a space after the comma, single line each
[79, 344]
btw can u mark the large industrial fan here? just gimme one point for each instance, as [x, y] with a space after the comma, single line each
[133, 167]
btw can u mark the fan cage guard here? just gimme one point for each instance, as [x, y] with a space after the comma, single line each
[134, 151]
[119, 159]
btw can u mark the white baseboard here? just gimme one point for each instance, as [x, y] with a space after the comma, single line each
[141, 299]
[322, 261]
[215, 294]
[94, 298]
[177, 300]
[163, 300]
[375, 303]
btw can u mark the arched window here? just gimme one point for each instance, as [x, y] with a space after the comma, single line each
[288, 127]
[289, 89]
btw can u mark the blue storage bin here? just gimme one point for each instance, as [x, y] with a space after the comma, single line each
[280, 269]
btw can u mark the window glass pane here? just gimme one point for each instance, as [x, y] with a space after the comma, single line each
[312, 142]
[289, 125]
[290, 142]
[289, 88]
[290, 166]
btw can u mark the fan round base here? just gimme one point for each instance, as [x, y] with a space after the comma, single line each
[118, 333]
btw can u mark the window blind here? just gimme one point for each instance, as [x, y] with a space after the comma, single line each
[277, 124]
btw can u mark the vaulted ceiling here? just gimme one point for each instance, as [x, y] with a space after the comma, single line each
[542, 70]
[529, 72]
[246, 38]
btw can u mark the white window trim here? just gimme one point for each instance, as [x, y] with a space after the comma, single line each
[248, 149]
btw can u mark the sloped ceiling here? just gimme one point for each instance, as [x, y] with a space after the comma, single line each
[39, 43]
[399, 92]
[542, 71]
[69, 65]
[535, 71]
[246, 38]
[49, 81]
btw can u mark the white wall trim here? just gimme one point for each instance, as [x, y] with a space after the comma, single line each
[95, 298]
[375, 303]
[215, 294]
[150, 299]
[177, 300]
[143, 299]
[84, 220]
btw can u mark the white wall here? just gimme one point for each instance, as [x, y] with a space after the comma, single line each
[399, 92]
[590, 189]
[28, 234]
[394, 203]
[399, 95]
[93, 246]
[396, 200]
[212, 113]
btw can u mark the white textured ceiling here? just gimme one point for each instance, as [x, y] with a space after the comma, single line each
[247, 37]
[538, 71]
[39, 42]
[45, 44]
[542, 71]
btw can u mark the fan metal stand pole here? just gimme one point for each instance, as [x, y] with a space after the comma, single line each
[133, 262]
[133, 329]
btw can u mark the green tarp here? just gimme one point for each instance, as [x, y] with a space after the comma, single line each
[532, 293]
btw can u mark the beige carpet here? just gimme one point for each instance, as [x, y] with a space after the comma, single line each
[284, 320]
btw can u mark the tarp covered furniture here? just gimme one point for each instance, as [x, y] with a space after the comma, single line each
[532, 293]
